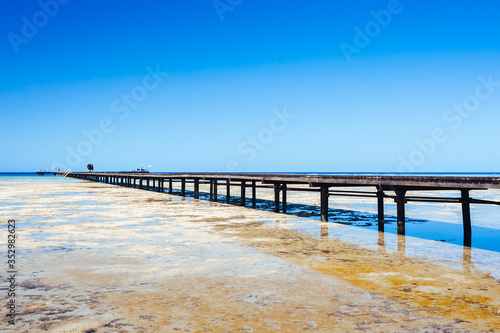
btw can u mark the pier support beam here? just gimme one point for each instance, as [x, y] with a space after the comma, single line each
[243, 192]
[466, 217]
[283, 189]
[324, 203]
[400, 202]
[254, 194]
[216, 191]
[276, 197]
[380, 202]
[183, 187]
[196, 188]
[228, 191]
[147, 184]
[170, 186]
[211, 190]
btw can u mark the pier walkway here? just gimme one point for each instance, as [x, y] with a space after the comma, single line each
[393, 187]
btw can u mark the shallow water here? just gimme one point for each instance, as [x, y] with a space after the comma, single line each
[105, 258]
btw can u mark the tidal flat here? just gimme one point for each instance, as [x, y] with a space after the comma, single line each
[94, 257]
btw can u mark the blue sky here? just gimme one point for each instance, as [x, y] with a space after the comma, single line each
[230, 85]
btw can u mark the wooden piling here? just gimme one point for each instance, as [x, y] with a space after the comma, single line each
[243, 192]
[400, 202]
[380, 203]
[170, 186]
[276, 197]
[466, 218]
[283, 189]
[211, 190]
[216, 192]
[228, 191]
[254, 194]
[183, 187]
[196, 188]
[324, 203]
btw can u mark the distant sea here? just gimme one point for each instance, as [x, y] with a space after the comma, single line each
[21, 174]
[493, 174]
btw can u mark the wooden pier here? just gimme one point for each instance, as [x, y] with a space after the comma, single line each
[325, 185]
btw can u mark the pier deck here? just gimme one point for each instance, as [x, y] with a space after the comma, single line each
[323, 184]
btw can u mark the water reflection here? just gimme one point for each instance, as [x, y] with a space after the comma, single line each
[381, 242]
[467, 260]
[324, 231]
[402, 245]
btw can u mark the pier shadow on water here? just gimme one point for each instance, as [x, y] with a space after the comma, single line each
[482, 238]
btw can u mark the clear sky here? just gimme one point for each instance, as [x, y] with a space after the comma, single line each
[240, 85]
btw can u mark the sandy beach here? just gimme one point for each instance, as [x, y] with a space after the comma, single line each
[100, 258]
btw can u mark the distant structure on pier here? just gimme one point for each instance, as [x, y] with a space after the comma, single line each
[53, 171]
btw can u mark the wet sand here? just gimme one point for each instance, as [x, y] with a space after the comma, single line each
[100, 258]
